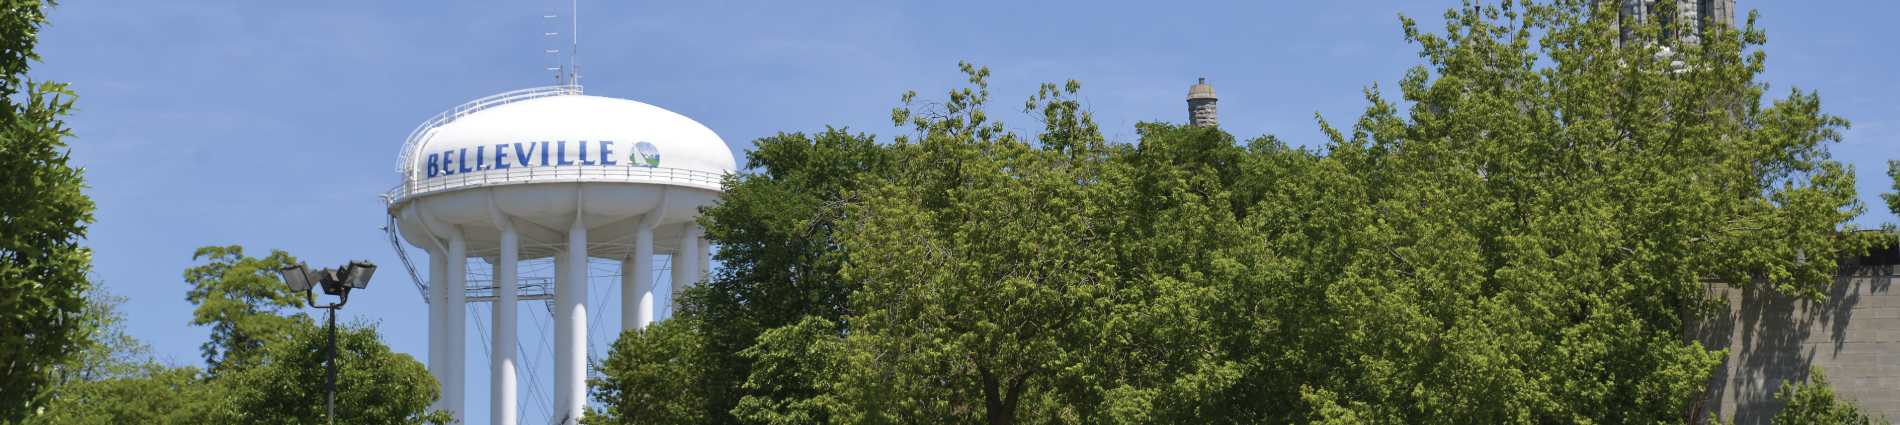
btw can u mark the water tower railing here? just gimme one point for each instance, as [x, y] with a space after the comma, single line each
[583, 173]
[422, 131]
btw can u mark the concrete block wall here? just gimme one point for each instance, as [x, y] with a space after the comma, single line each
[1772, 338]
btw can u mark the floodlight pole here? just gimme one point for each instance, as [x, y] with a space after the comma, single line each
[301, 278]
[331, 412]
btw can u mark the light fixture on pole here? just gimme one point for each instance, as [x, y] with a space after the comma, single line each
[354, 275]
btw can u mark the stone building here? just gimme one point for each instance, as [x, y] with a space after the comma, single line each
[1201, 105]
[1701, 12]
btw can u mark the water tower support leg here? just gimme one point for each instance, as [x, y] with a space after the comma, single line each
[439, 321]
[501, 398]
[636, 297]
[685, 263]
[629, 301]
[575, 307]
[455, 390]
[705, 253]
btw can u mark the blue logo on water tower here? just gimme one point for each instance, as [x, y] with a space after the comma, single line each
[645, 155]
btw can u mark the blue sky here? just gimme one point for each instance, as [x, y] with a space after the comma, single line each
[273, 125]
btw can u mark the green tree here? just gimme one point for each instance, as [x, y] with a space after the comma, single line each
[147, 393]
[115, 353]
[656, 375]
[980, 265]
[795, 371]
[1522, 243]
[43, 216]
[243, 299]
[116, 380]
[287, 382]
[1815, 404]
[1187, 211]
[280, 379]
[775, 226]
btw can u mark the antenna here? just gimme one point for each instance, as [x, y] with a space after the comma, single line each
[574, 56]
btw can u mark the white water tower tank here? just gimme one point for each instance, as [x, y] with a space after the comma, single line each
[550, 173]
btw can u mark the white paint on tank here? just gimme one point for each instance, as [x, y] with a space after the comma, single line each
[534, 131]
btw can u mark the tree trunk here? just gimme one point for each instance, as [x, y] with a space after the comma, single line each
[1000, 403]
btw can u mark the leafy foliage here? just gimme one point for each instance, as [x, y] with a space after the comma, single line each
[280, 379]
[1521, 240]
[288, 382]
[1523, 246]
[980, 264]
[654, 375]
[116, 381]
[795, 370]
[148, 394]
[43, 216]
[115, 353]
[242, 299]
[1814, 403]
[775, 227]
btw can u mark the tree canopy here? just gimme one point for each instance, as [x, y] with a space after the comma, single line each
[117, 381]
[1521, 236]
[287, 384]
[43, 217]
[266, 362]
[241, 298]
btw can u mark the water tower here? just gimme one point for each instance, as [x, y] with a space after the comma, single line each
[549, 176]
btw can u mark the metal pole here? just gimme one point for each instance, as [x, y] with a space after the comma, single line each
[332, 398]
[344, 298]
